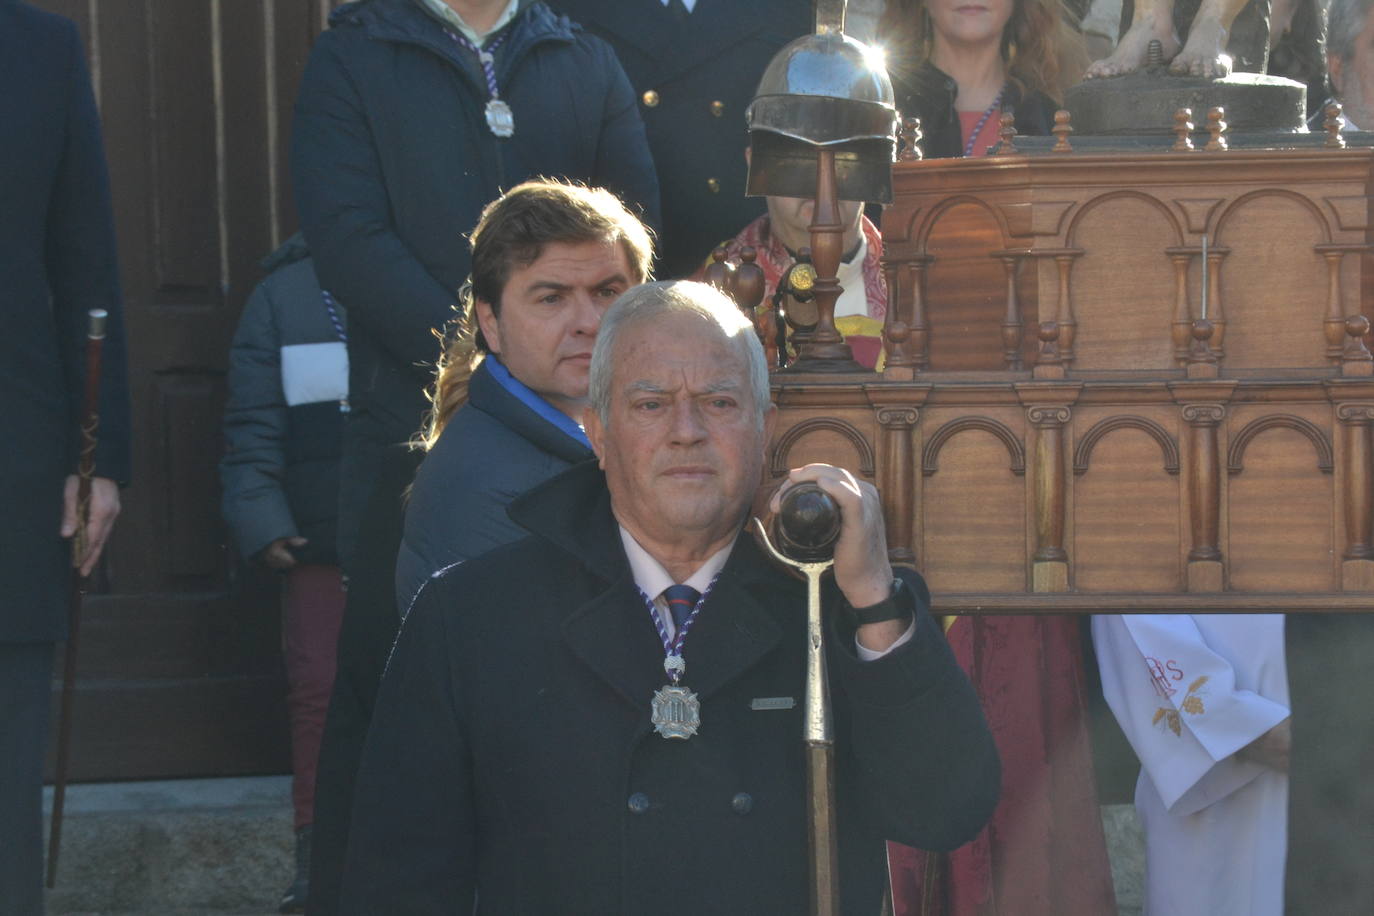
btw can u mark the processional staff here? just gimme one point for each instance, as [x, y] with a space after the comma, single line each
[90, 424]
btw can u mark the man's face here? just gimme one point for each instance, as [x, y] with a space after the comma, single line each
[683, 445]
[1353, 78]
[550, 311]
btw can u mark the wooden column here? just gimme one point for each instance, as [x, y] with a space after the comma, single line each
[1050, 562]
[1182, 324]
[1357, 560]
[1334, 323]
[1216, 312]
[897, 480]
[1205, 568]
[904, 327]
[1012, 322]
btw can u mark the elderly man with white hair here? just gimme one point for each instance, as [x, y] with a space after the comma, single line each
[516, 763]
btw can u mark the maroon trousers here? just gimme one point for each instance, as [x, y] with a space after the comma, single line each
[312, 605]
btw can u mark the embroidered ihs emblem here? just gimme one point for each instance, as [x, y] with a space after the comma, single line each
[1192, 705]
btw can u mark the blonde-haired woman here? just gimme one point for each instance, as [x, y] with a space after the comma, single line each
[959, 64]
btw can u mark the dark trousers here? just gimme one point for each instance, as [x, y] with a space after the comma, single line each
[369, 628]
[313, 605]
[25, 690]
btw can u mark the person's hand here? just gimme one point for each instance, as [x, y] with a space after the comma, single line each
[862, 570]
[1271, 748]
[104, 508]
[277, 555]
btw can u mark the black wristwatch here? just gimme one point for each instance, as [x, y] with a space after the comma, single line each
[898, 605]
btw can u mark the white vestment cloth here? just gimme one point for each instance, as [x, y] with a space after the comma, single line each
[1189, 691]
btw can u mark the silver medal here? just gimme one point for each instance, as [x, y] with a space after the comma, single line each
[676, 712]
[500, 118]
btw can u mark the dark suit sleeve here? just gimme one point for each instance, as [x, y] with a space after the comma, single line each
[346, 215]
[623, 160]
[83, 269]
[412, 841]
[921, 761]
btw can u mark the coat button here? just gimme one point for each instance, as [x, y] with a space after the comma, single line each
[742, 803]
[650, 98]
[639, 803]
[718, 108]
[713, 184]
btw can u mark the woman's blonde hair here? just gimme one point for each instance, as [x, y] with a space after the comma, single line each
[512, 233]
[1043, 50]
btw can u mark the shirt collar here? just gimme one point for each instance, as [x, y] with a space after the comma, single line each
[449, 17]
[531, 399]
[652, 578]
[690, 4]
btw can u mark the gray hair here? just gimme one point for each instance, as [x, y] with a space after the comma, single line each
[654, 301]
[1344, 23]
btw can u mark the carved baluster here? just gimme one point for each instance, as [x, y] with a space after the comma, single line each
[718, 271]
[1068, 325]
[1333, 124]
[1047, 363]
[750, 286]
[1183, 130]
[1216, 312]
[920, 330]
[1355, 358]
[1062, 128]
[1049, 563]
[1334, 323]
[911, 141]
[1204, 496]
[1216, 129]
[1011, 322]
[1183, 313]
[898, 481]
[1357, 566]
[1007, 133]
[1202, 359]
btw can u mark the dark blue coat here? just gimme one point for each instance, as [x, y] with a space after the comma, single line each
[511, 755]
[717, 56]
[57, 260]
[494, 449]
[393, 161]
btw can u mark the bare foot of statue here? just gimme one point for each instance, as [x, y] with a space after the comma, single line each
[1205, 53]
[1130, 52]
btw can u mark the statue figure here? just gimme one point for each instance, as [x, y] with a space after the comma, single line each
[1219, 36]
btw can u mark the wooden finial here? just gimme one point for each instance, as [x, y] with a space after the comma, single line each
[1216, 128]
[1006, 133]
[718, 272]
[911, 141]
[1202, 359]
[1356, 359]
[1333, 124]
[750, 283]
[1048, 332]
[1183, 130]
[1061, 130]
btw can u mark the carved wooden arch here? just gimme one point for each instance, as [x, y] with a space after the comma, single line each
[1319, 441]
[930, 456]
[950, 203]
[1312, 208]
[777, 464]
[1093, 204]
[1102, 428]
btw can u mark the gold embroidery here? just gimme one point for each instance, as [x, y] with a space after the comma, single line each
[1192, 704]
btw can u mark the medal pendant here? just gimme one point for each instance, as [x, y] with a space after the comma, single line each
[676, 712]
[500, 118]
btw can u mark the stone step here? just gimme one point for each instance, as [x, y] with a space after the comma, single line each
[216, 847]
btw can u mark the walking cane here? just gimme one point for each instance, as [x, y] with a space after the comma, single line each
[90, 423]
[808, 527]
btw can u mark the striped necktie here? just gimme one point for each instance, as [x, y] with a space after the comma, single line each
[682, 600]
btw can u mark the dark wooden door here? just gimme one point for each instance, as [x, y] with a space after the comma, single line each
[180, 670]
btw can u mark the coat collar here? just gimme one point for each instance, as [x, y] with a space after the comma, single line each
[612, 632]
[486, 394]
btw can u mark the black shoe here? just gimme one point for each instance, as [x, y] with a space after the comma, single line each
[293, 901]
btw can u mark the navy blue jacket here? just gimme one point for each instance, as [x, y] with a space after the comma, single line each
[694, 81]
[511, 756]
[57, 260]
[282, 424]
[393, 161]
[494, 449]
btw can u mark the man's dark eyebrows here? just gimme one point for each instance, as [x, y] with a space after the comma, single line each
[555, 286]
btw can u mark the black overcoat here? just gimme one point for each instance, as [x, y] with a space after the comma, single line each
[694, 81]
[512, 758]
[57, 260]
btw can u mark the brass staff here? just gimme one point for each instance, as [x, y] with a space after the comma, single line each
[808, 527]
[90, 423]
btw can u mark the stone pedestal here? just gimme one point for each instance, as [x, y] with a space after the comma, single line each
[1143, 103]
